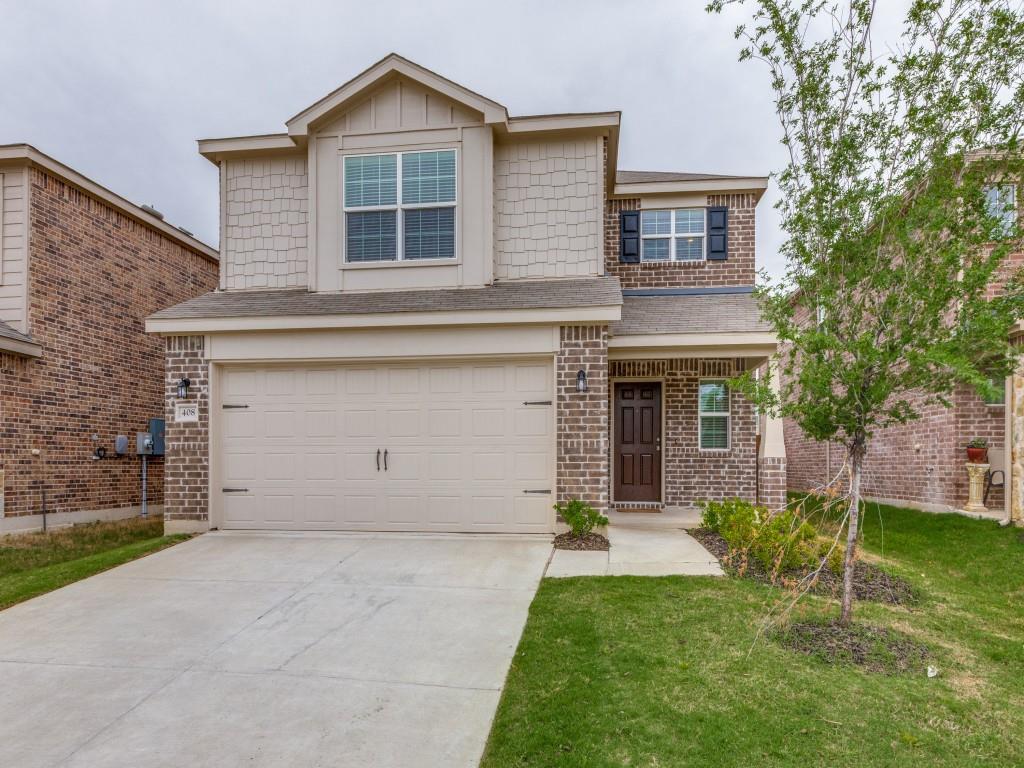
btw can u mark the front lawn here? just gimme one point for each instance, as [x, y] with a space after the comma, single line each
[34, 563]
[625, 671]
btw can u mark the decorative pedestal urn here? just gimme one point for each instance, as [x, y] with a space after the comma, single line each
[976, 490]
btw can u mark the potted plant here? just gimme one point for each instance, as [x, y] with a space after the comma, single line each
[977, 451]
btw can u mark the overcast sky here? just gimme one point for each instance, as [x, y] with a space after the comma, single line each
[120, 91]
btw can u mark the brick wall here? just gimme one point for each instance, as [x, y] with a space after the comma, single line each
[772, 481]
[95, 274]
[691, 475]
[738, 269]
[187, 473]
[265, 221]
[582, 417]
[920, 463]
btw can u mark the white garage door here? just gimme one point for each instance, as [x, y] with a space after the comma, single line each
[439, 447]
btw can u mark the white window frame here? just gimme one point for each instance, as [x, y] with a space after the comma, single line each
[727, 413]
[1009, 216]
[671, 237]
[398, 207]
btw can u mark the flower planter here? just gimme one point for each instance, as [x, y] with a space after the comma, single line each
[977, 455]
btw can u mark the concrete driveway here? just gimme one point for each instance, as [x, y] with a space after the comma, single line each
[270, 650]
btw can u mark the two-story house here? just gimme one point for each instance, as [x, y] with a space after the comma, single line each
[435, 316]
[80, 269]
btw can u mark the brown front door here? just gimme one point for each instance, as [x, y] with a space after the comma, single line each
[638, 441]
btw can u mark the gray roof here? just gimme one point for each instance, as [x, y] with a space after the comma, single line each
[705, 313]
[523, 294]
[644, 177]
[9, 333]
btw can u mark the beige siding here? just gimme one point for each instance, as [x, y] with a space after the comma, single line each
[402, 105]
[13, 247]
[547, 207]
[266, 210]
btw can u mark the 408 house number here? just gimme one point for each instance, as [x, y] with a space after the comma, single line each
[185, 413]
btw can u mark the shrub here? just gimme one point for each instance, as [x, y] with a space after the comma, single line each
[581, 518]
[780, 541]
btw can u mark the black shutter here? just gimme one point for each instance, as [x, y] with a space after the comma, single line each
[629, 237]
[718, 233]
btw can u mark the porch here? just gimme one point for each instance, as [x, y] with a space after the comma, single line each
[679, 433]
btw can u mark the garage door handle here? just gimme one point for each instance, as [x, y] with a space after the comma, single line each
[535, 490]
[234, 490]
[378, 459]
[385, 459]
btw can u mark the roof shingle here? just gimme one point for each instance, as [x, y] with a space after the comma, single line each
[702, 313]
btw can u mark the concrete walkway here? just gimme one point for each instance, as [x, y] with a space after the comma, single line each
[642, 544]
[270, 650]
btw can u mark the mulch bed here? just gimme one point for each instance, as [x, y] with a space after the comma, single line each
[876, 649]
[592, 542]
[869, 581]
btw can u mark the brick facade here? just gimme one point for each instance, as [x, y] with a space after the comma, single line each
[919, 463]
[582, 417]
[691, 475]
[94, 275]
[187, 473]
[738, 269]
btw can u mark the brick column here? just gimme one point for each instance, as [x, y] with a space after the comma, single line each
[582, 441]
[186, 465]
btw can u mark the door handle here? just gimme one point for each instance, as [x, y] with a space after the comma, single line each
[385, 459]
[234, 490]
[378, 459]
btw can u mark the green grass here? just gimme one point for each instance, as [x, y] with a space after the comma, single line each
[34, 563]
[624, 671]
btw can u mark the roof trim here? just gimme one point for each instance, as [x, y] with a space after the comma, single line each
[714, 290]
[563, 122]
[729, 343]
[18, 343]
[735, 184]
[550, 315]
[215, 150]
[26, 153]
[493, 112]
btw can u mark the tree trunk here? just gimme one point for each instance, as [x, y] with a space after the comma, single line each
[856, 456]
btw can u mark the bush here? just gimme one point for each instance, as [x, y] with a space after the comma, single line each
[780, 541]
[581, 518]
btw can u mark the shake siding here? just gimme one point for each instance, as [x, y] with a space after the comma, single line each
[266, 214]
[12, 248]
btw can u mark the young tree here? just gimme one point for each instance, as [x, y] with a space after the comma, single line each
[892, 238]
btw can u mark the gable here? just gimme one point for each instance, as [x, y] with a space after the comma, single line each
[400, 104]
[353, 95]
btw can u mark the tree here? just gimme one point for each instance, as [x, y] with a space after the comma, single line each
[892, 240]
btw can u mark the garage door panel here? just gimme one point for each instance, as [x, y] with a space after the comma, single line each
[462, 447]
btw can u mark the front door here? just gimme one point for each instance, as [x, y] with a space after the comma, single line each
[638, 441]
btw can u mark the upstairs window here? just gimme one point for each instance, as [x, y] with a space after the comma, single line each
[676, 235]
[713, 415]
[1001, 201]
[399, 206]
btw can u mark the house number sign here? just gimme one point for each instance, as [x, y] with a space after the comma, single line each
[185, 413]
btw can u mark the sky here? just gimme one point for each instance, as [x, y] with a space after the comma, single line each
[121, 91]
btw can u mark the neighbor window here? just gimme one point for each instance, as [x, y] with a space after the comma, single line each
[400, 206]
[672, 235]
[713, 414]
[1001, 201]
[998, 396]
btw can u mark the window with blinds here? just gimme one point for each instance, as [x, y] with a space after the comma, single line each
[400, 206]
[713, 415]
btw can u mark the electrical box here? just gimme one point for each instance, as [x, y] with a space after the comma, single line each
[156, 431]
[121, 445]
[143, 444]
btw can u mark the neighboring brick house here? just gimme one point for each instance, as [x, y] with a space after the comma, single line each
[436, 316]
[81, 268]
[921, 464]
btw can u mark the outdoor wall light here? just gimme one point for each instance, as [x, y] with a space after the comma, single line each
[183, 386]
[581, 381]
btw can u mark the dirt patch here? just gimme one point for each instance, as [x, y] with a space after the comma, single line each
[869, 581]
[592, 542]
[876, 649]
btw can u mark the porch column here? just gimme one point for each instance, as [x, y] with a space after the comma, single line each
[1014, 445]
[771, 459]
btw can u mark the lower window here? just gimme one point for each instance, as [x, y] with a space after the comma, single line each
[713, 415]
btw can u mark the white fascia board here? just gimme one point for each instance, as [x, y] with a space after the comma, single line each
[573, 122]
[18, 347]
[189, 326]
[728, 344]
[216, 149]
[751, 184]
